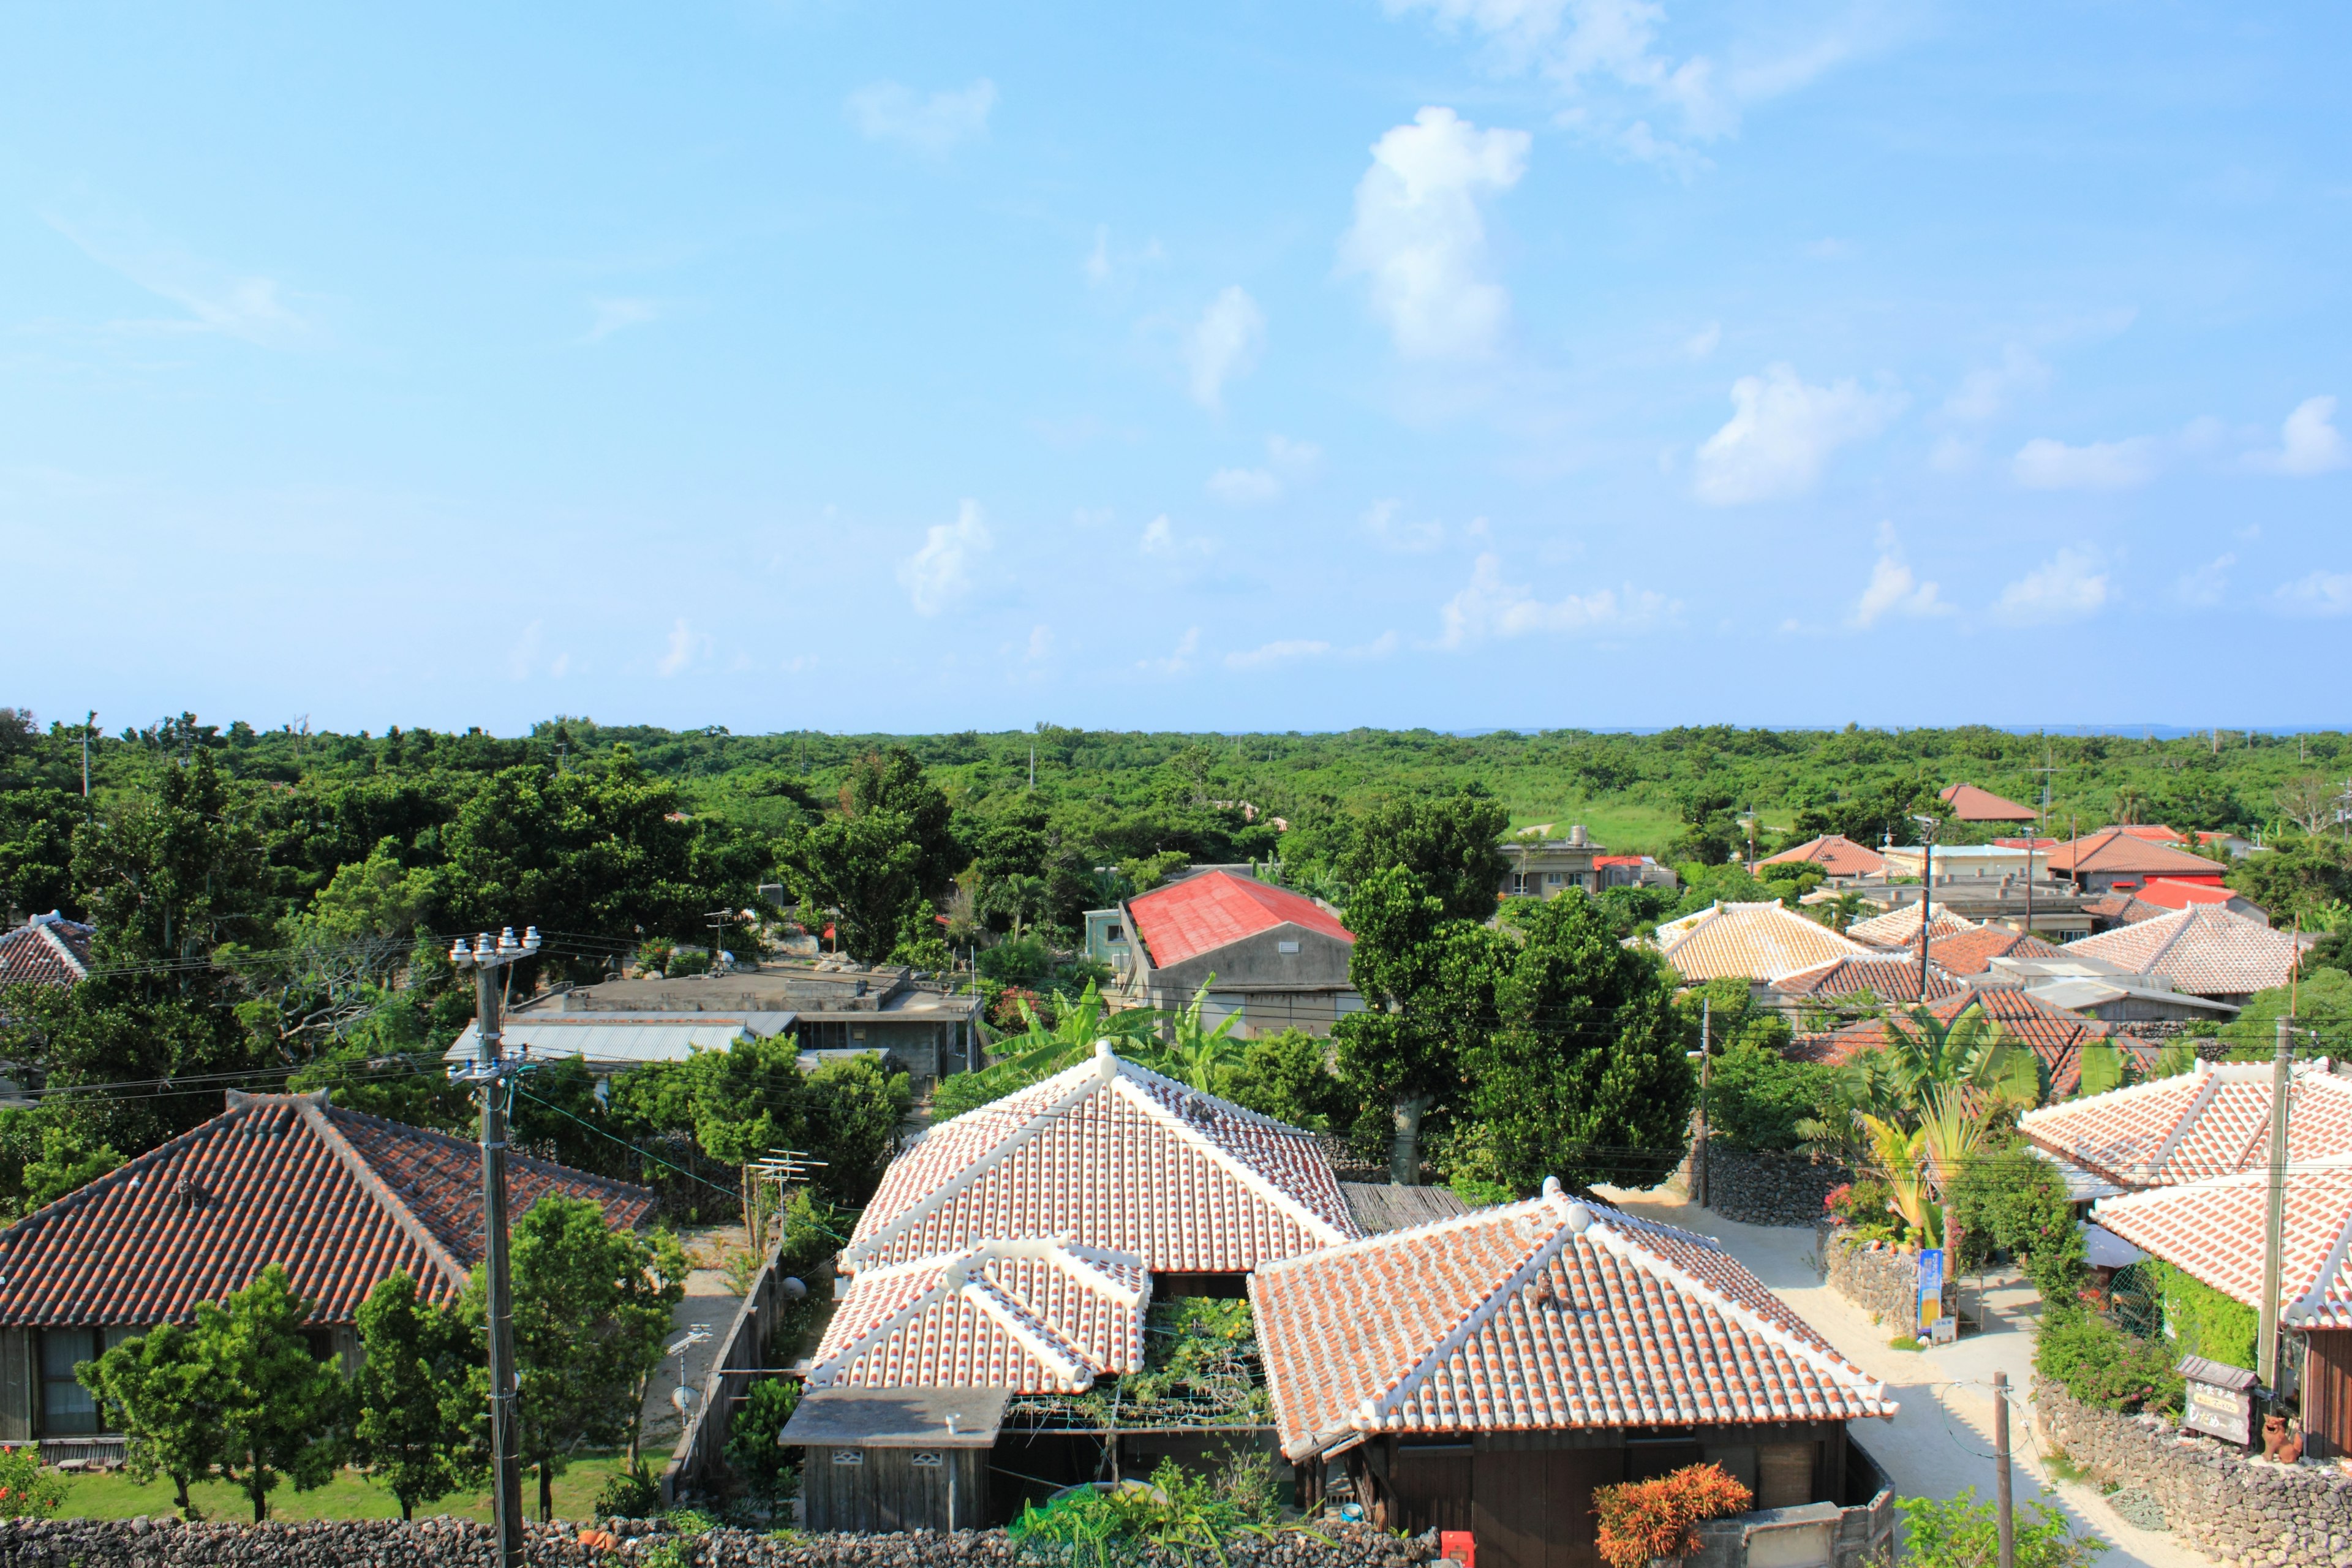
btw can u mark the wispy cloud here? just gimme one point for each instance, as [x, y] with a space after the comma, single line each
[2206, 586]
[1781, 433]
[1179, 658]
[217, 298]
[940, 571]
[1269, 654]
[617, 315]
[1894, 589]
[931, 124]
[1224, 343]
[1490, 608]
[1160, 539]
[1288, 462]
[686, 647]
[2309, 442]
[1986, 393]
[1420, 240]
[2042, 464]
[2069, 586]
[2317, 594]
[1386, 522]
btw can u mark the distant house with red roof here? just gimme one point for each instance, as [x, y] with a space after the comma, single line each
[2125, 858]
[1279, 959]
[1835, 853]
[46, 950]
[1970, 804]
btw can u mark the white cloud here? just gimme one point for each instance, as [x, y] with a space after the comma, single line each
[1160, 539]
[1223, 345]
[1179, 660]
[1781, 433]
[2042, 464]
[1420, 240]
[1702, 343]
[940, 573]
[1382, 522]
[2319, 593]
[1244, 487]
[1296, 458]
[1275, 653]
[1490, 608]
[2205, 586]
[1041, 644]
[1892, 590]
[615, 315]
[1983, 394]
[525, 652]
[2069, 586]
[686, 645]
[2309, 442]
[886, 111]
[216, 299]
[1953, 455]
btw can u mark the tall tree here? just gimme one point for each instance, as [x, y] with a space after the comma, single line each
[416, 1420]
[1450, 842]
[885, 849]
[1426, 982]
[281, 1406]
[167, 1398]
[1582, 1076]
[590, 1314]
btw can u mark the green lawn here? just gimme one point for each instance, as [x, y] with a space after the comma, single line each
[349, 1495]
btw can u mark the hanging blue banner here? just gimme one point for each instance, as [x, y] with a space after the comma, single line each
[1931, 1289]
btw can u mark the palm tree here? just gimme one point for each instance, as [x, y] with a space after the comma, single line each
[1842, 910]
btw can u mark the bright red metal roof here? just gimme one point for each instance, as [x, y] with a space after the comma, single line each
[1203, 913]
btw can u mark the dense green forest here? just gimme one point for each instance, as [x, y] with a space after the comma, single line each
[271, 906]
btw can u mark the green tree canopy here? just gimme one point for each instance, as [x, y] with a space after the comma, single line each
[419, 1415]
[1449, 840]
[169, 1401]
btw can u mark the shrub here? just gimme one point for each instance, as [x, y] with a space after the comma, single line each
[1965, 1533]
[1866, 1207]
[2012, 1197]
[629, 1494]
[1021, 961]
[2100, 1364]
[2203, 1322]
[765, 1468]
[1756, 1096]
[1643, 1519]
[28, 1488]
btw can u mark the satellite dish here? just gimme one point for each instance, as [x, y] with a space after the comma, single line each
[794, 1290]
[684, 1399]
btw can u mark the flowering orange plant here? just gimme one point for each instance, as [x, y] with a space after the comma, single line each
[28, 1490]
[1641, 1521]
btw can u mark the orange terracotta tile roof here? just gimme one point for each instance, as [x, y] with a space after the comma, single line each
[1113, 1156]
[1835, 853]
[1972, 952]
[2206, 951]
[1890, 977]
[2213, 1120]
[1033, 1316]
[1970, 804]
[1754, 942]
[2055, 1035]
[2117, 849]
[341, 1199]
[1900, 927]
[1548, 1315]
[1204, 913]
[2122, 906]
[47, 950]
[2213, 1229]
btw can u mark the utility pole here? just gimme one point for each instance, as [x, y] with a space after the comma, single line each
[2275, 1212]
[486, 958]
[1032, 767]
[2001, 1461]
[1705, 1057]
[87, 726]
[1927, 895]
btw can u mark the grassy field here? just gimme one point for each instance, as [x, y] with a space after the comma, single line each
[349, 1495]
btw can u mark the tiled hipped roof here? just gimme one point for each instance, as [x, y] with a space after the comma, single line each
[2214, 1230]
[1109, 1155]
[47, 950]
[341, 1199]
[2205, 950]
[1544, 1315]
[2119, 850]
[1890, 978]
[1900, 927]
[2210, 1122]
[1972, 952]
[1835, 853]
[1032, 1316]
[1751, 941]
[2057, 1037]
[1203, 913]
[1970, 804]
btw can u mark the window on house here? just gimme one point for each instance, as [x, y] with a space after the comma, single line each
[1520, 882]
[1552, 878]
[1286, 947]
[1114, 933]
[66, 1407]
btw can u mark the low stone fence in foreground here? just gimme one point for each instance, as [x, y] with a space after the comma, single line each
[453, 1544]
[1761, 1186]
[2248, 1512]
[1881, 1279]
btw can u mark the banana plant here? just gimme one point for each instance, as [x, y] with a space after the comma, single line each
[1901, 1157]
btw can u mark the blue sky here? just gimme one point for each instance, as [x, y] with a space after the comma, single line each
[1462, 362]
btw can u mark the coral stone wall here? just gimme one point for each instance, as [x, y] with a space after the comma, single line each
[1761, 1187]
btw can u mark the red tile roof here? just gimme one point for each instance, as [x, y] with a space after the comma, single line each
[47, 950]
[1888, 977]
[2122, 906]
[1203, 913]
[1113, 1156]
[2213, 1120]
[1539, 1316]
[2166, 893]
[1033, 1316]
[1972, 952]
[2055, 1035]
[2117, 850]
[2151, 832]
[1833, 853]
[1900, 927]
[1970, 804]
[2213, 1229]
[2205, 950]
[341, 1199]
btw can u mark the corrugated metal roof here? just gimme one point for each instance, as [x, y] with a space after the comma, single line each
[1203, 913]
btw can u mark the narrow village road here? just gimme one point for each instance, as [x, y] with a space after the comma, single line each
[1941, 1441]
